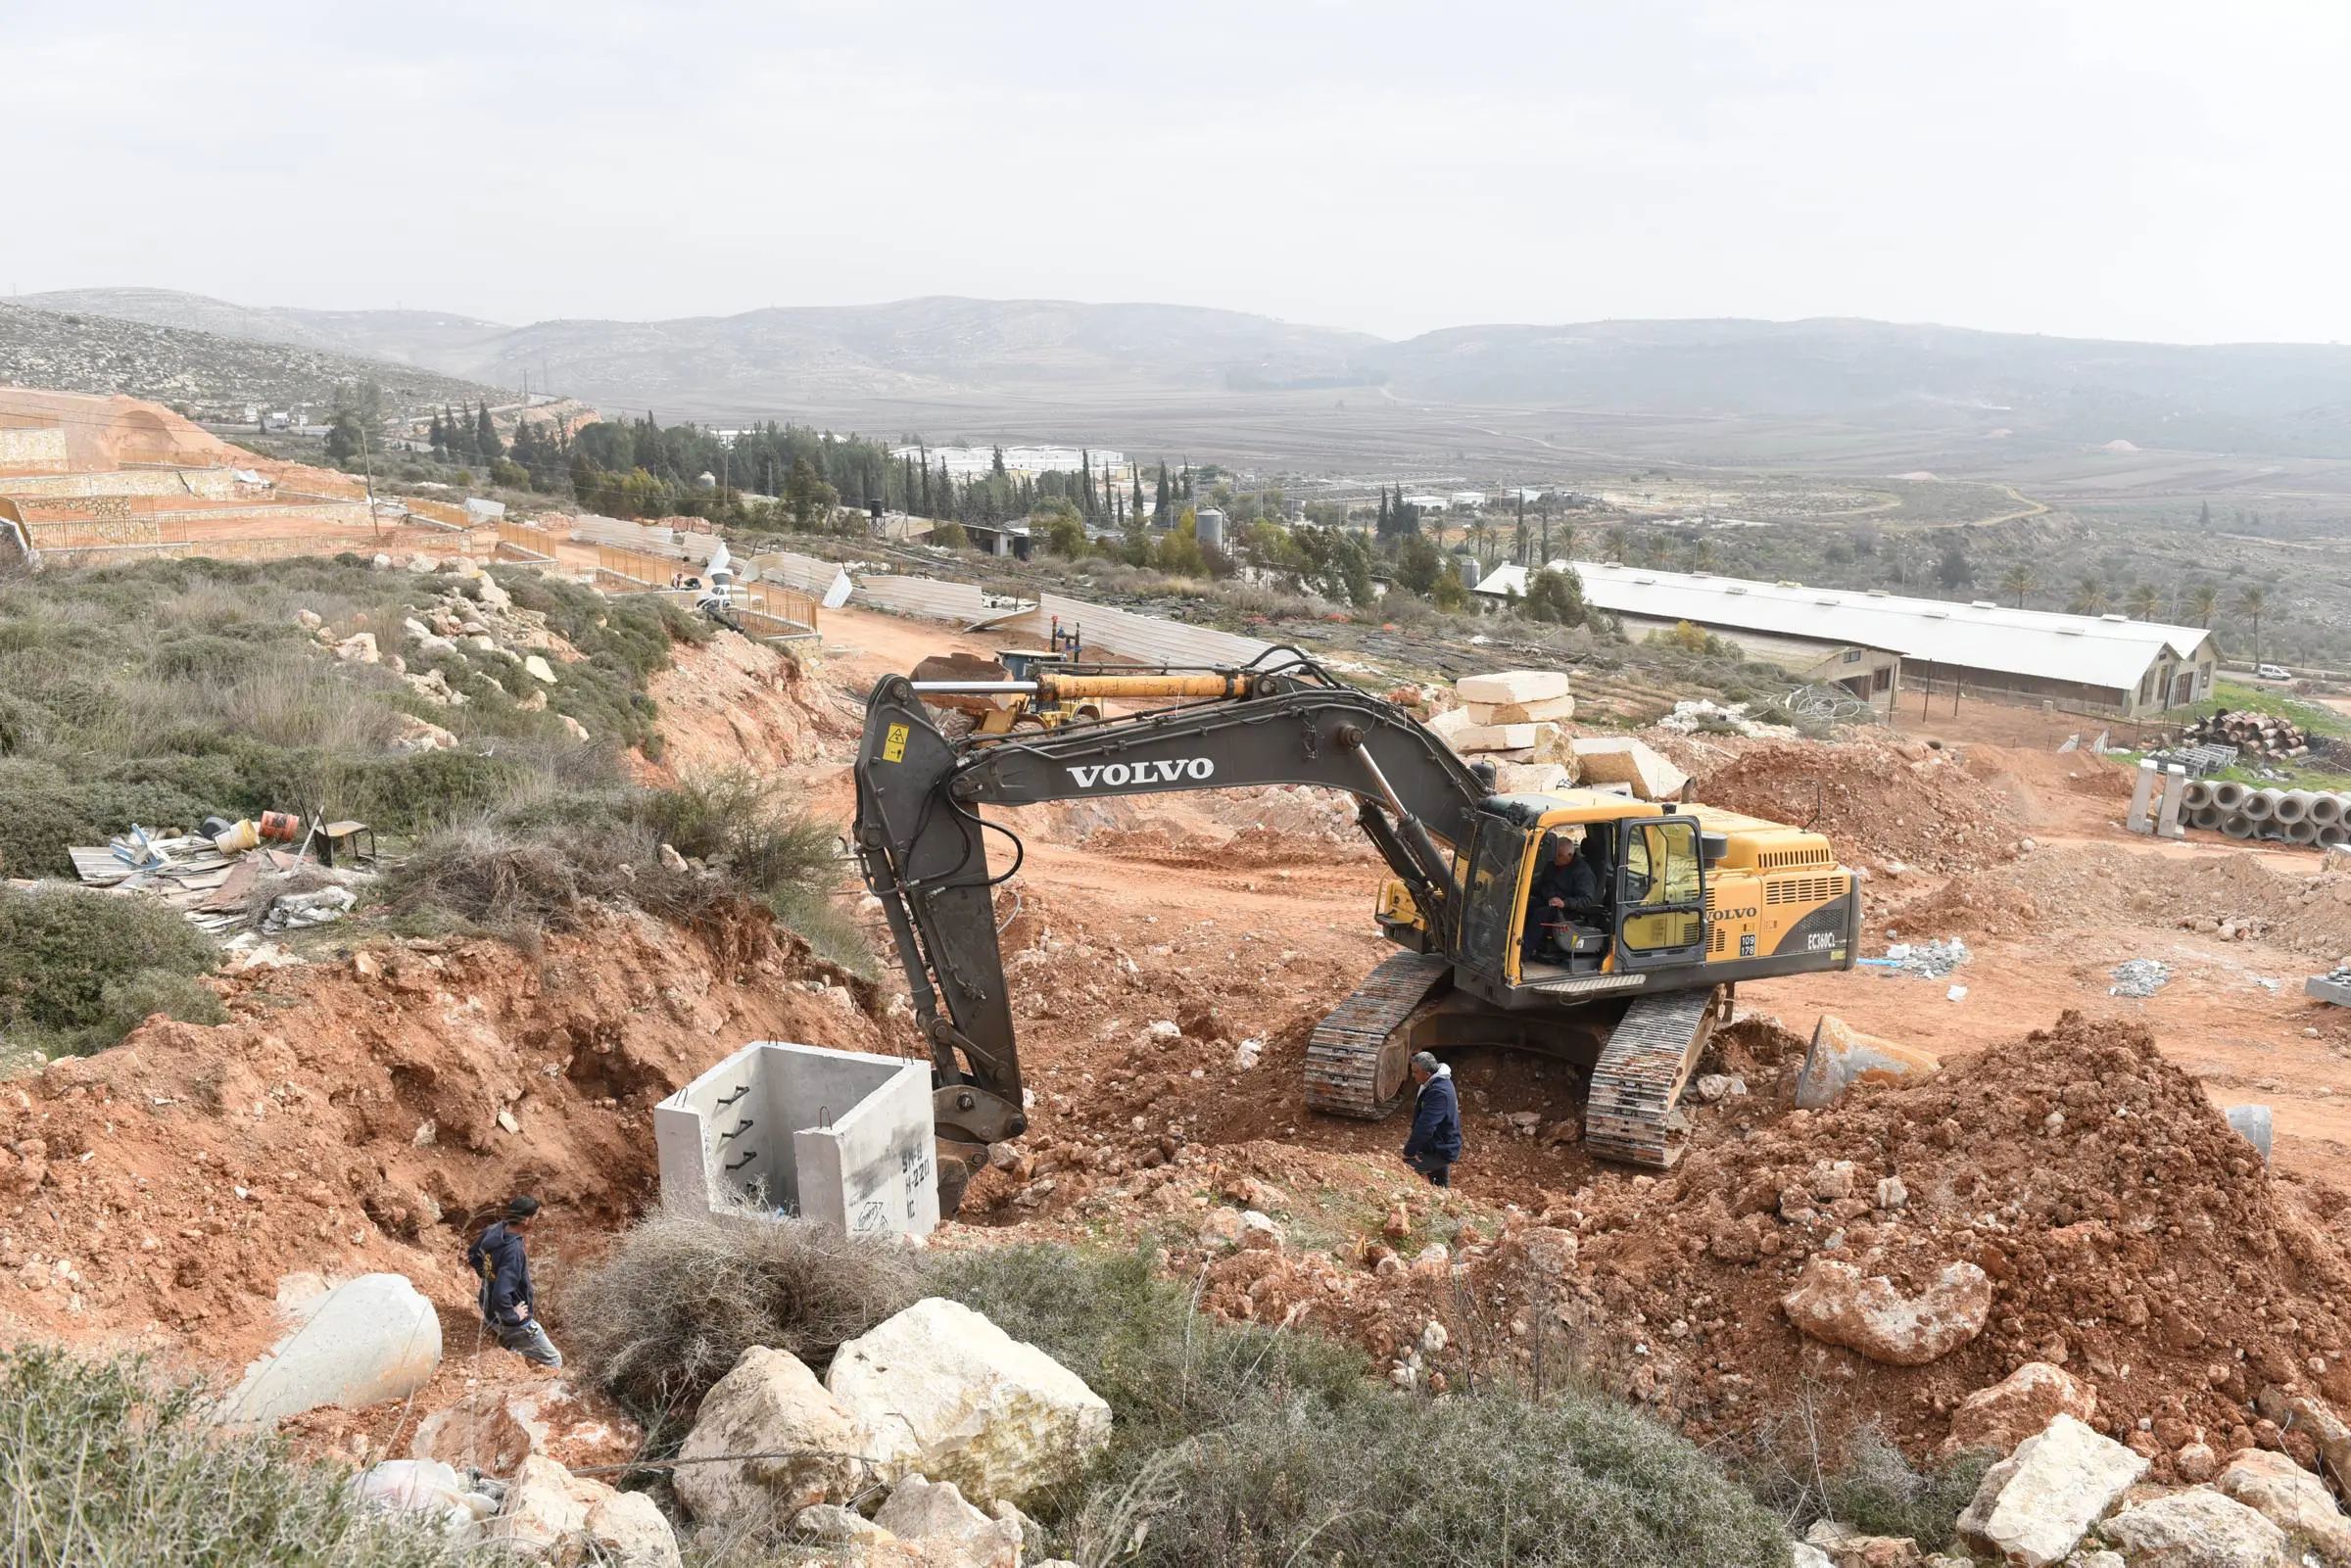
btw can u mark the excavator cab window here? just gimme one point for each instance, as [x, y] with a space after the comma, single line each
[1488, 930]
[1661, 891]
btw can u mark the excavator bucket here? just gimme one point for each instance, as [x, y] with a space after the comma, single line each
[1842, 1055]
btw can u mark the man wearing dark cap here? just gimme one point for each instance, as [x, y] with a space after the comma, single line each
[507, 1310]
[1436, 1140]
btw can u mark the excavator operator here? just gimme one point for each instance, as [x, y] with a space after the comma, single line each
[1567, 891]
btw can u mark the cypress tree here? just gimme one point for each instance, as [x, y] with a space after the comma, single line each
[486, 437]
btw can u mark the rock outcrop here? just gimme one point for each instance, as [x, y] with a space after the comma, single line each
[941, 1391]
[553, 1516]
[1836, 1303]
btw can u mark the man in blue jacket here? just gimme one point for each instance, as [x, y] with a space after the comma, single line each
[1436, 1140]
[509, 1311]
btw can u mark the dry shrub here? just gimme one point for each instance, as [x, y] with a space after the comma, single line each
[673, 1307]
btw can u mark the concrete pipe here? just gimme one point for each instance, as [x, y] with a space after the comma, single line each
[2197, 793]
[2304, 831]
[2333, 834]
[2261, 805]
[2294, 805]
[2228, 794]
[2207, 817]
[2237, 825]
[2324, 809]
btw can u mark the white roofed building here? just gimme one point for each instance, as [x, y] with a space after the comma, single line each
[2107, 662]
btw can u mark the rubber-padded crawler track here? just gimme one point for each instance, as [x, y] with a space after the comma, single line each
[1638, 1080]
[1343, 1056]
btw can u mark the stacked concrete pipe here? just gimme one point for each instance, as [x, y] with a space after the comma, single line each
[2289, 816]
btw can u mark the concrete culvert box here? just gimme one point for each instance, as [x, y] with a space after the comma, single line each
[838, 1137]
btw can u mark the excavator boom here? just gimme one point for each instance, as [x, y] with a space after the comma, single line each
[923, 845]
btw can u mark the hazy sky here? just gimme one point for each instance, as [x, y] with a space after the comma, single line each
[2117, 168]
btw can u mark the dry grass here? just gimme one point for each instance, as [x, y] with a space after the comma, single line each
[678, 1301]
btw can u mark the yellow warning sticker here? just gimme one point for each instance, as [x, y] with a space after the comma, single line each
[893, 745]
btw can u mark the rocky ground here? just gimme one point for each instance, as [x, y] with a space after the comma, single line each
[2063, 1195]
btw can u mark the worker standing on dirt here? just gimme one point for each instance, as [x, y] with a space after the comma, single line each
[500, 1263]
[1436, 1140]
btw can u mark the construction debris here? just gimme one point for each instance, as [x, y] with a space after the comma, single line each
[1929, 959]
[2140, 978]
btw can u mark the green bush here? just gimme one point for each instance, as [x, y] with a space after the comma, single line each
[106, 1463]
[79, 970]
[1250, 1447]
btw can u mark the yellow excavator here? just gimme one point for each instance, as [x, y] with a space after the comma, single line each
[1686, 902]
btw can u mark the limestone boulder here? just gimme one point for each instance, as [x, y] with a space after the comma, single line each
[358, 649]
[1995, 1419]
[368, 1340]
[768, 1403]
[2034, 1506]
[538, 670]
[2306, 1413]
[1836, 1303]
[551, 1515]
[932, 1514]
[1846, 1548]
[2198, 1528]
[2291, 1499]
[629, 1529]
[940, 1390]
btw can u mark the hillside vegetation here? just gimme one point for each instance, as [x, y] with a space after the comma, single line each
[161, 693]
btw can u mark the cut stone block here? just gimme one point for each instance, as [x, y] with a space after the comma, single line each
[1513, 685]
[1493, 738]
[367, 1341]
[1531, 779]
[838, 1137]
[1450, 723]
[1621, 759]
[1549, 708]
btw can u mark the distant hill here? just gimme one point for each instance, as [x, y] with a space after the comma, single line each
[207, 374]
[939, 362]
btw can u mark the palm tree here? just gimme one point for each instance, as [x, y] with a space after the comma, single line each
[2020, 580]
[2202, 600]
[2145, 603]
[2251, 602]
[2090, 597]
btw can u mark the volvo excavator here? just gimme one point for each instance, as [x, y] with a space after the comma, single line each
[1692, 900]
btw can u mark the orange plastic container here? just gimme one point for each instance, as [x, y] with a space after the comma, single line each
[280, 827]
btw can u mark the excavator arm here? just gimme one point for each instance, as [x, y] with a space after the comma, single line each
[922, 842]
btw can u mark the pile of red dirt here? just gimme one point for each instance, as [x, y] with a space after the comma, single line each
[2282, 899]
[364, 1114]
[2128, 1234]
[1877, 802]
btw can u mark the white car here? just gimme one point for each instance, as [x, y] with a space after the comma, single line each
[2272, 672]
